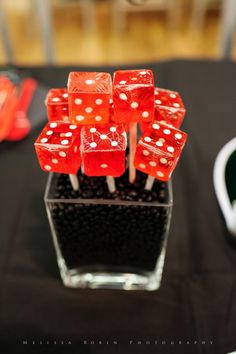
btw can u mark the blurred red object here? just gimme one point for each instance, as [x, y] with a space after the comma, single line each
[21, 124]
[14, 104]
[8, 101]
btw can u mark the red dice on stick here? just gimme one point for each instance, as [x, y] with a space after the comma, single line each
[133, 99]
[133, 96]
[89, 97]
[58, 149]
[159, 149]
[103, 150]
[57, 105]
[169, 107]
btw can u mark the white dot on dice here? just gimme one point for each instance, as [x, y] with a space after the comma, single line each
[152, 163]
[103, 136]
[134, 105]
[113, 129]
[123, 96]
[98, 118]
[159, 143]
[104, 165]
[73, 126]
[145, 152]
[156, 126]
[114, 143]
[89, 82]
[56, 99]
[44, 140]
[141, 165]
[147, 139]
[145, 114]
[178, 136]
[170, 149]
[88, 109]
[163, 160]
[65, 142]
[93, 144]
[93, 130]
[98, 101]
[158, 101]
[176, 105]
[68, 134]
[160, 174]
[49, 132]
[53, 125]
[54, 161]
[65, 95]
[62, 154]
[166, 131]
[78, 101]
[172, 95]
[47, 167]
[79, 118]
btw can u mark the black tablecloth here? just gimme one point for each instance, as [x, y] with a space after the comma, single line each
[197, 299]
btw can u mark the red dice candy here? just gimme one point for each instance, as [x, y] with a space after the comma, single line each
[57, 148]
[89, 96]
[57, 105]
[159, 149]
[133, 96]
[169, 107]
[103, 149]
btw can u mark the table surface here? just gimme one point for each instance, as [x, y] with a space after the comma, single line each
[197, 299]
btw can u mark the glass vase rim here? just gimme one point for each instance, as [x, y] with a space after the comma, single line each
[79, 200]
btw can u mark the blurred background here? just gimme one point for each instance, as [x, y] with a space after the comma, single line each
[101, 32]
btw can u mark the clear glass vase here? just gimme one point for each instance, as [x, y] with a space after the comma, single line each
[106, 243]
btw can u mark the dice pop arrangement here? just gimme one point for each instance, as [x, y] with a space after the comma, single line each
[110, 218]
[89, 122]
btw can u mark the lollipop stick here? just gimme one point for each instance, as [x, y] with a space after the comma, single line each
[132, 149]
[111, 184]
[82, 169]
[149, 183]
[74, 182]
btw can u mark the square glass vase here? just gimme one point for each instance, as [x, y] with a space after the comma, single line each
[109, 243]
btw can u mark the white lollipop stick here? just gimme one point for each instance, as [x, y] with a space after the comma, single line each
[149, 183]
[82, 169]
[74, 182]
[111, 184]
[132, 149]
